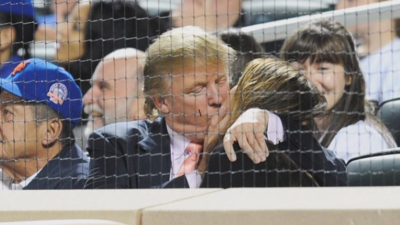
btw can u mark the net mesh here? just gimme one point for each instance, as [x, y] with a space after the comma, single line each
[199, 93]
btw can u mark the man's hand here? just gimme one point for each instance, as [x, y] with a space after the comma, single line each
[248, 130]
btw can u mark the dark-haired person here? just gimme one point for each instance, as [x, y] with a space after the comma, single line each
[40, 105]
[326, 53]
[246, 47]
[95, 29]
[17, 28]
[296, 160]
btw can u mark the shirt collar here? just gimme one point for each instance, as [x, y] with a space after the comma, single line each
[178, 143]
[24, 183]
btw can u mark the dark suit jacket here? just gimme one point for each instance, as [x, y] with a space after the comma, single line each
[300, 146]
[131, 155]
[137, 155]
[67, 170]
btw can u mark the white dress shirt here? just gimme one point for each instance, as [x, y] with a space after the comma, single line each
[356, 140]
[6, 182]
[381, 70]
[178, 145]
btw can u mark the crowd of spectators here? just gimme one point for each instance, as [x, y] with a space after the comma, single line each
[185, 99]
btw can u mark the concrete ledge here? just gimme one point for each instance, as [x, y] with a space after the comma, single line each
[277, 206]
[281, 206]
[122, 206]
[63, 222]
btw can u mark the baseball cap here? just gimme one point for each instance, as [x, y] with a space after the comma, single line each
[17, 7]
[37, 80]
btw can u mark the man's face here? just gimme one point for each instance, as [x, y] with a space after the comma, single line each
[19, 132]
[114, 87]
[71, 34]
[195, 95]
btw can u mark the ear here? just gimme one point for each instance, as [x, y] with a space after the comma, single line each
[7, 37]
[162, 104]
[349, 80]
[52, 133]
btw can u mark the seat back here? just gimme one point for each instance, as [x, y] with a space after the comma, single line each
[389, 113]
[381, 169]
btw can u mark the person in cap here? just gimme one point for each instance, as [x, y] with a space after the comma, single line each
[40, 104]
[17, 28]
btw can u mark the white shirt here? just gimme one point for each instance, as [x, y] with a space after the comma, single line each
[24, 183]
[381, 71]
[356, 140]
[178, 144]
[6, 182]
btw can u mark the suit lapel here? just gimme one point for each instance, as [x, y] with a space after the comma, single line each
[154, 158]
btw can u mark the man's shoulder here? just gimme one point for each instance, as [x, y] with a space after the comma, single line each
[139, 127]
[67, 170]
[71, 158]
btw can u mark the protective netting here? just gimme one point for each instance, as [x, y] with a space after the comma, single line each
[199, 93]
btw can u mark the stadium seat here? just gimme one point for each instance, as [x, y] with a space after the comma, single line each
[382, 169]
[389, 113]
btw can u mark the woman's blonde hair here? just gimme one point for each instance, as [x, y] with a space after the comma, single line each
[177, 49]
[274, 85]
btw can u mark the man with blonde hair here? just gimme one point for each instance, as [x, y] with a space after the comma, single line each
[186, 81]
[116, 94]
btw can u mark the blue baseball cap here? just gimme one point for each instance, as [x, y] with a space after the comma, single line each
[37, 80]
[17, 7]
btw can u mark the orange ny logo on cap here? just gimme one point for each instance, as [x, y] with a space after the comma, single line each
[20, 67]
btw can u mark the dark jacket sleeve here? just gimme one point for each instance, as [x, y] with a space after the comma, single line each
[300, 146]
[306, 152]
[179, 182]
[109, 168]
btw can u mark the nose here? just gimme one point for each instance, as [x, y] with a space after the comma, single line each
[62, 30]
[314, 77]
[213, 95]
[91, 96]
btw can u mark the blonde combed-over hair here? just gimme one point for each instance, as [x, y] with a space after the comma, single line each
[176, 48]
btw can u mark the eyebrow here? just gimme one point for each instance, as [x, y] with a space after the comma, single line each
[102, 81]
[196, 83]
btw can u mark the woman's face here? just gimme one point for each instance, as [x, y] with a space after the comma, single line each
[329, 78]
[71, 34]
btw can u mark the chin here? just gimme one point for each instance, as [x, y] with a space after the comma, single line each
[198, 138]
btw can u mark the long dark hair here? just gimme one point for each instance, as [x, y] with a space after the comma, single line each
[246, 47]
[327, 41]
[111, 25]
[274, 85]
